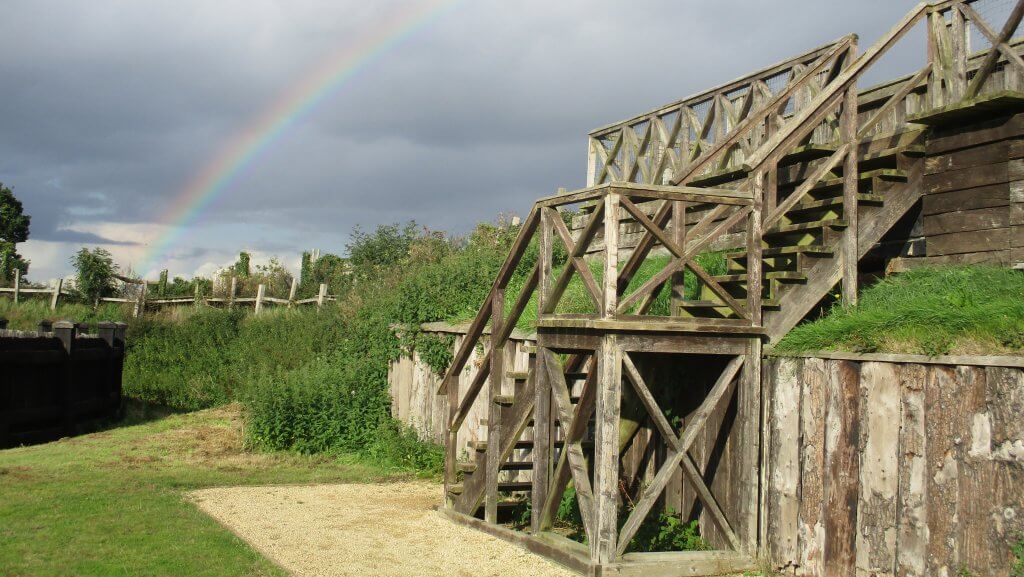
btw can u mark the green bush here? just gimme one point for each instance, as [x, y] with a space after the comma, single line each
[1017, 570]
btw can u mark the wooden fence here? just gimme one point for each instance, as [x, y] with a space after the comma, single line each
[59, 380]
[141, 302]
[258, 302]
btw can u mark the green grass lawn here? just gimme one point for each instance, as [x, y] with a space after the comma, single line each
[112, 503]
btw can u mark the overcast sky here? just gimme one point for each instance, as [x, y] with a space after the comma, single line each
[110, 108]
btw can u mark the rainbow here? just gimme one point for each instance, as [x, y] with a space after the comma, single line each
[299, 100]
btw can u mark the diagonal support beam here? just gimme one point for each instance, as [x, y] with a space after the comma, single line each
[575, 260]
[573, 445]
[678, 448]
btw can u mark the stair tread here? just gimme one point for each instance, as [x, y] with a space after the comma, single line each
[708, 304]
[892, 174]
[719, 176]
[808, 152]
[777, 275]
[515, 485]
[780, 250]
[517, 375]
[787, 228]
[833, 201]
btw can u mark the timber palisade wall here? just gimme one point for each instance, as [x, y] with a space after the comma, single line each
[894, 468]
[413, 386]
[58, 381]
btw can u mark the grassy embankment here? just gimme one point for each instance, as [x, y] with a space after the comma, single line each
[931, 311]
[112, 503]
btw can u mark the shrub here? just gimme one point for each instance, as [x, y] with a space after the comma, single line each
[95, 272]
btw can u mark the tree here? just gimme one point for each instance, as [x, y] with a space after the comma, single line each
[96, 270]
[14, 225]
[387, 246]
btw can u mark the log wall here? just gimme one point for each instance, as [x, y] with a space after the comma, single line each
[893, 468]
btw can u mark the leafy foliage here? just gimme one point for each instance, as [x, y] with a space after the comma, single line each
[14, 227]
[95, 270]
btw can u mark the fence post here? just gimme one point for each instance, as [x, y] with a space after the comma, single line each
[113, 335]
[198, 301]
[17, 284]
[140, 302]
[231, 293]
[321, 296]
[65, 331]
[260, 292]
[292, 291]
[56, 294]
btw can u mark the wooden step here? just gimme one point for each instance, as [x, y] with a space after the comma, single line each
[832, 203]
[782, 250]
[822, 232]
[719, 177]
[808, 152]
[872, 158]
[481, 446]
[530, 349]
[517, 375]
[455, 489]
[515, 486]
[835, 185]
[504, 400]
[470, 467]
[781, 275]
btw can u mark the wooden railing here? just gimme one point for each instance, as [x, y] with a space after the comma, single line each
[654, 147]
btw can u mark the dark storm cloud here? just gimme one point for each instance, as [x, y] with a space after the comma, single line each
[110, 107]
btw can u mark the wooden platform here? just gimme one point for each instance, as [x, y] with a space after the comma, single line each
[984, 106]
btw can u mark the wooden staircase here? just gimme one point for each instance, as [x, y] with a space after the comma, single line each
[796, 181]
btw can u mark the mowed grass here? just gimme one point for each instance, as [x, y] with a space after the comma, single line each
[932, 311]
[113, 503]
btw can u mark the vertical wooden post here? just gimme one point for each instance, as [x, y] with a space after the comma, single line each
[140, 302]
[592, 161]
[606, 451]
[611, 255]
[17, 285]
[198, 300]
[934, 95]
[754, 262]
[544, 263]
[56, 294]
[850, 249]
[321, 296]
[65, 331]
[749, 407]
[108, 332]
[292, 291]
[494, 431]
[260, 293]
[958, 34]
[679, 236]
[542, 439]
[231, 292]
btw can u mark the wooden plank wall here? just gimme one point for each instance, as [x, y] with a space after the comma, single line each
[415, 402]
[893, 469]
[973, 208]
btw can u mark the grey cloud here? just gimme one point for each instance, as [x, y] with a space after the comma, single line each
[110, 108]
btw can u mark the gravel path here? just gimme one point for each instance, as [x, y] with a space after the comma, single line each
[342, 530]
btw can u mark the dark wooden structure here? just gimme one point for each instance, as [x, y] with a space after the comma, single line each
[811, 183]
[59, 380]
